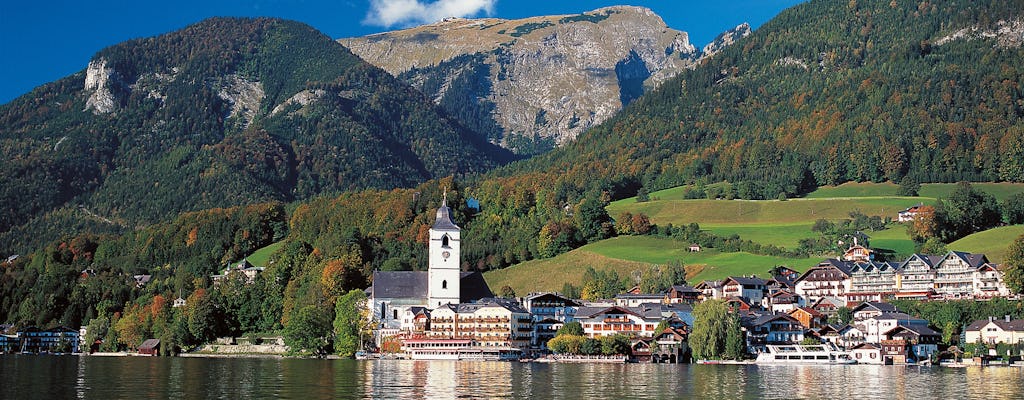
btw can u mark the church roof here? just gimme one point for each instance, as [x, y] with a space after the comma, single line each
[414, 285]
[444, 222]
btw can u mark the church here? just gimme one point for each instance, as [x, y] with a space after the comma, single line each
[398, 296]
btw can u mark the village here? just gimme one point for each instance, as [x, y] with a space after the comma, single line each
[839, 306]
[837, 311]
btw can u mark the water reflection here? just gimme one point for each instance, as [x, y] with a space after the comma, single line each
[188, 378]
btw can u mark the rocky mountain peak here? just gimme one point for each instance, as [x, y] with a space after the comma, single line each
[726, 38]
[533, 83]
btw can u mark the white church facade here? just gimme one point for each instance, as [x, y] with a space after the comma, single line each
[396, 297]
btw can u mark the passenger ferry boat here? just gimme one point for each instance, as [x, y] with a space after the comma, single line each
[804, 354]
[458, 349]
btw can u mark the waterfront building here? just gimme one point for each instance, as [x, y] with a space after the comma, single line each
[875, 327]
[921, 341]
[549, 311]
[867, 353]
[995, 330]
[606, 321]
[771, 329]
[490, 322]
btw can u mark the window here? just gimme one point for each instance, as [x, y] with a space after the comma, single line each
[396, 313]
[444, 284]
[444, 241]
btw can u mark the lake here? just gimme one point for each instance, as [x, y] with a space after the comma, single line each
[65, 377]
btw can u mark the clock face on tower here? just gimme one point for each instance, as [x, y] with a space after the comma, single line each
[445, 254]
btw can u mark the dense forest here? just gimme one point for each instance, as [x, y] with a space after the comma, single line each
[823, 94]
[224, 112]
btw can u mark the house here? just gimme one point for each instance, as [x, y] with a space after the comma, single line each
[710, 289]
[179, 302]
[635, 300]
[742, 304]
[955, 273]
[150, 347]
[56, 340]
[751, 288]
[909, 213]
[876, 327]
[669, 346]
[606, 321]
[244, 270]
[808, 317]
[694, 248]
[682, 294]
[781, 301]
[828, 306]
[870, 309]
[995, 330]
[921, 341]
[830, 278]
[851, 335]
[830, 333]
[415, 320]
[771, 329]
[867, 353]
[549, 312]
[894, 351]
[678, 315]
[988, 282]
[858, 253]
[785, 273]
[141, 280]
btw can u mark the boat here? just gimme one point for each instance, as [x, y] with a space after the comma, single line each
[365, 355]
[826, 354]
[458, 349]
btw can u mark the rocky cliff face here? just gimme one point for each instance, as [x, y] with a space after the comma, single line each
[534, 83]
[725, 39]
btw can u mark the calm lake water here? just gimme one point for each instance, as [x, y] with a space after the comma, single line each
[66, 377]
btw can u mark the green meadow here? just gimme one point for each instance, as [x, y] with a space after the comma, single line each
[780, 223]
[259, 257]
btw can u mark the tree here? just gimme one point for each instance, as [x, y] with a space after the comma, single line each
[571, 291]
[735, 342]
[642, 195]
[351, 327]
[908, 187]
[614, 345]
[844, 315]
[591, 220]
[309, 329]
[570, 328]
[1013, 209]
[590, 347]
[710, 328]
[1014, 272]
[567, 344]
[966, 211]
[933, 246]
[507, 292]
[922, 226]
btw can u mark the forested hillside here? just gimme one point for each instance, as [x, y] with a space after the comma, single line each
[224, 112]
[823, 94]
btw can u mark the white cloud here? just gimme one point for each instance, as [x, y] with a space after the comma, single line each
[389, 13]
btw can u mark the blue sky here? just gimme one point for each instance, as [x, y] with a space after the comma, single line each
[42, 41]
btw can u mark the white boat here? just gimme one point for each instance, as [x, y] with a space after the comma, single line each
[457, 349]
[804, 354]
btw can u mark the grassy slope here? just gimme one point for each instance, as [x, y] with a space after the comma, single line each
[628, 253]
[782, 223]
[259, 257]
[993, 242]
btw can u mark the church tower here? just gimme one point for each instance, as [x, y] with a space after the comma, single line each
[444, 269]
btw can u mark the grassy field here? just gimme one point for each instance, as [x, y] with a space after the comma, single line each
[761, 212]
[259, 257]
[993, 242]
[929, 191]
[895, 238]
[786, 235]
[629, 253]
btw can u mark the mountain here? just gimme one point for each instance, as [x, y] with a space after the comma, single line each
[725, 39]
[533, 83]
[224, 112]
[822, 94]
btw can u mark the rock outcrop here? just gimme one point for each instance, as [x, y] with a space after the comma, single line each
[534, 83]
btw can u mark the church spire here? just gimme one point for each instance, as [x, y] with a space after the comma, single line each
[443, 221]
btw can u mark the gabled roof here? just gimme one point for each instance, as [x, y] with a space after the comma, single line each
[930, 261]
[812, 312]
[1015, 325]
[744, 281]
[832, 301]
[879, 306]
[708, 284]
[915, 329]
[414, 285]
[868, 346]
[974, 260]
[767, 318]
[841, 266]
[553, 296]
[149, 344]
[685, 289]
